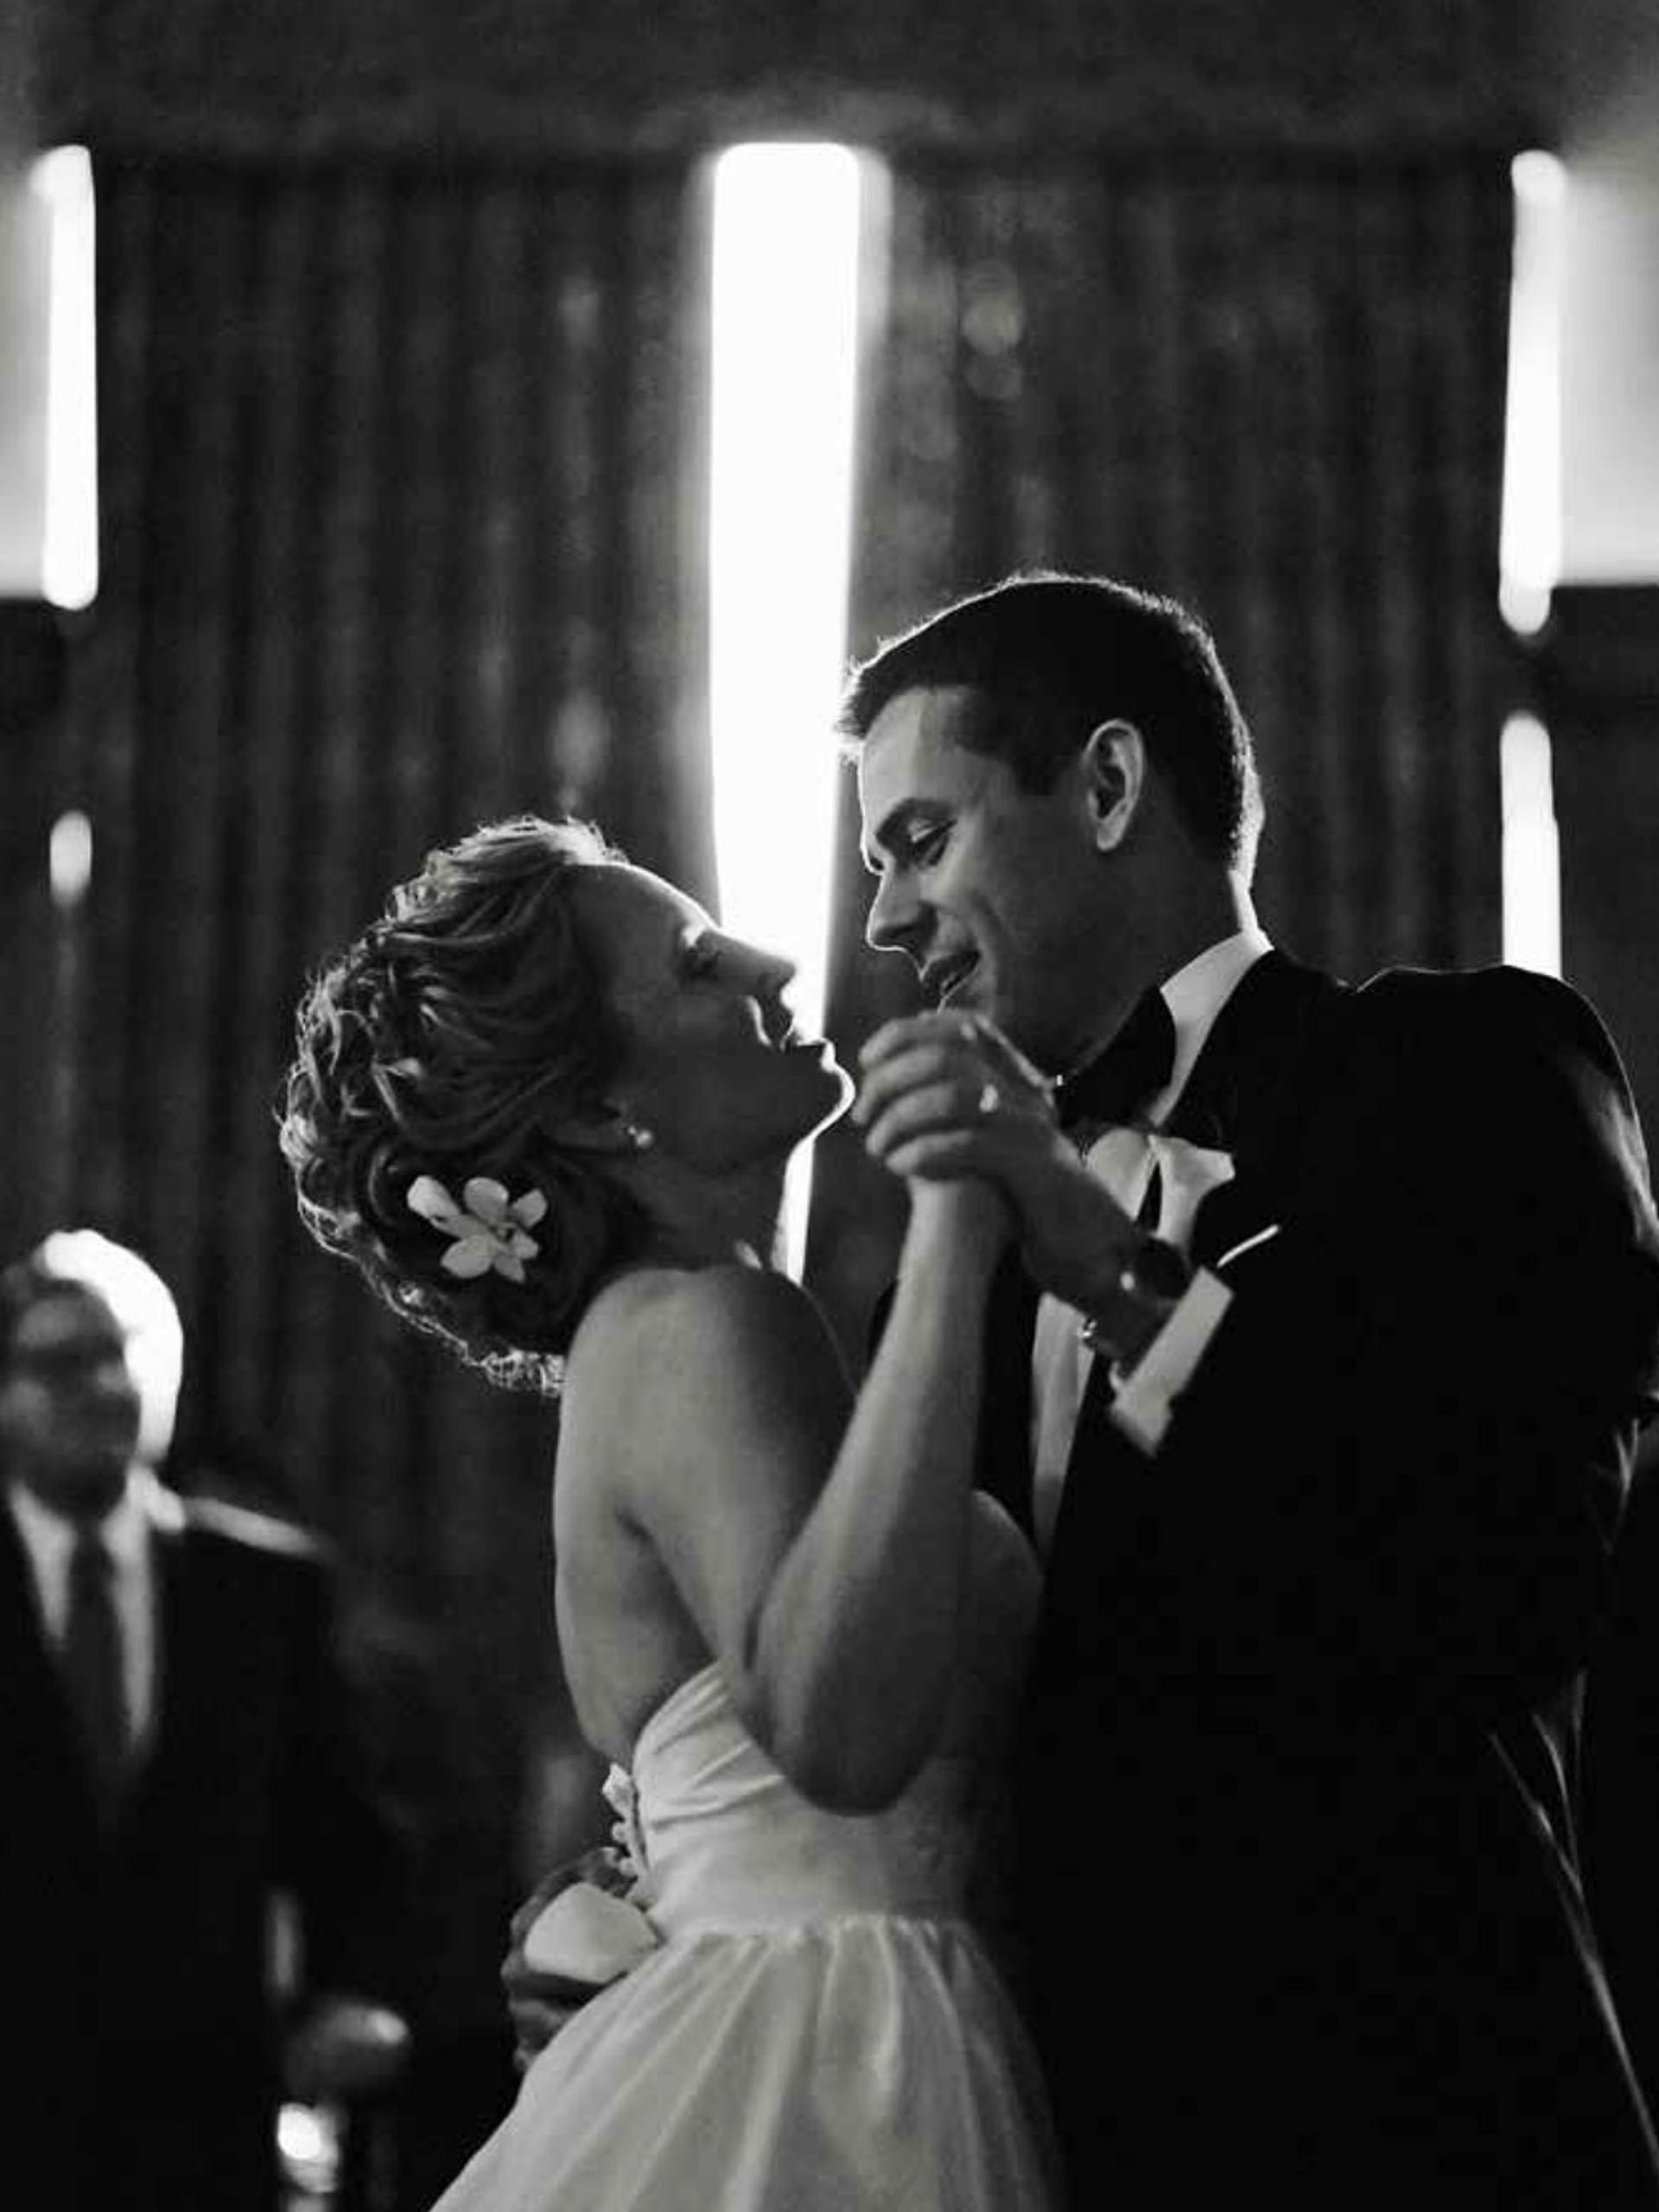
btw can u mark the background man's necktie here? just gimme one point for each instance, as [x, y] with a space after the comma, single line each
[93, 1671]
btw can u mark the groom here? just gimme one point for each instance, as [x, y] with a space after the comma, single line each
[1316, 1387]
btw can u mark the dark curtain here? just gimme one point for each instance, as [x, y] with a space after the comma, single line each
[1272, 384]
[401, 477]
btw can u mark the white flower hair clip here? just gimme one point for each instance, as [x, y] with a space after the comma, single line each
[487, 1229]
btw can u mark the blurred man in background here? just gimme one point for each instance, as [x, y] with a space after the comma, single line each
[177, 1754]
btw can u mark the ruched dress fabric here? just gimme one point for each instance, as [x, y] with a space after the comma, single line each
[819, 2031]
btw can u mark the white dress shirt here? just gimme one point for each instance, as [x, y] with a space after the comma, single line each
[128, 1532]
[1124, 1159]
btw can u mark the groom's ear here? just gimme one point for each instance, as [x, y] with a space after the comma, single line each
[1114, 775]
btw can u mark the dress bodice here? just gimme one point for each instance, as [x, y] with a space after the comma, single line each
[801, 2017]
[725, 1840]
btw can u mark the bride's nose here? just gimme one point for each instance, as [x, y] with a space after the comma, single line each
[770, 971]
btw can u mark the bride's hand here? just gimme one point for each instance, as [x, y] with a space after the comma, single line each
[947, 1100]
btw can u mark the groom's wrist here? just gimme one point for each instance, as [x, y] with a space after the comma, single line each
[1139, 1290]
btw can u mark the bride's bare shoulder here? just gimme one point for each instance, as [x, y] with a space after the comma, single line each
[674, 1327]
[683, 1379]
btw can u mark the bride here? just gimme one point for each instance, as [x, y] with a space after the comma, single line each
[545, 1106]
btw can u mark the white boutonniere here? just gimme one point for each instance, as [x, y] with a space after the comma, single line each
[487, 1230]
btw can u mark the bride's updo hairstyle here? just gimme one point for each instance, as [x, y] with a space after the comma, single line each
[444, 1044]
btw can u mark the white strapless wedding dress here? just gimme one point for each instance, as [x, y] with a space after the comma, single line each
[819, 2031]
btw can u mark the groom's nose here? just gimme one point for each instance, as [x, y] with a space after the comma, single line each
[895, 921]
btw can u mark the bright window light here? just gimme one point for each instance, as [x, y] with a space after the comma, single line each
[1529, 557]
[785, 308]
[310, 2147]
[63, 178]
[1532, 858]
[69, 860]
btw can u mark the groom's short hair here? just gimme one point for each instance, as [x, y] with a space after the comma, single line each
[1053, 656]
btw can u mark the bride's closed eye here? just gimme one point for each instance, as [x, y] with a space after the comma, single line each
[697, 956]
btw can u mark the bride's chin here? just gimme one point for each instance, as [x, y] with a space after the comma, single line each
[840, 1090]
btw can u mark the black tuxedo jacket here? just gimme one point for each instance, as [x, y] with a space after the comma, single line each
[1296, 1876]
[1621, 1776]
[141, 2072]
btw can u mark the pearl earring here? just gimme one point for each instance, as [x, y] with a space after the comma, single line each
[640, 1139]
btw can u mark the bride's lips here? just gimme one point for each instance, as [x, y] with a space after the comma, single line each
[787, 1038]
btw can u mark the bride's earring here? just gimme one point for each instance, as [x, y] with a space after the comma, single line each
[606, 1129]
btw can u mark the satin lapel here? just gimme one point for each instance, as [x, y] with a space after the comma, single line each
[1251, 1089]
[1254, 1091]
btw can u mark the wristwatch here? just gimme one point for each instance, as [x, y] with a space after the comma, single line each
[1151, 1281]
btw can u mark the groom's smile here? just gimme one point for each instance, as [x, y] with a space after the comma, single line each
[996, 893]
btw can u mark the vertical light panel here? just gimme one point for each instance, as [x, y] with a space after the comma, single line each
[1532, 859]
[785, 301]
[63, 179]
[69, 860]
[1529, 554]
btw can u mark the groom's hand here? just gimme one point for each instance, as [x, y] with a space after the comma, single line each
[541, 2003]
[946, 1096]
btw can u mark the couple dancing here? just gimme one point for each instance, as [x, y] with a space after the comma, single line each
[1198, 1570]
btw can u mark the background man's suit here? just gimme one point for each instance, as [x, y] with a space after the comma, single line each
[142, 2070]
[1298, 1922]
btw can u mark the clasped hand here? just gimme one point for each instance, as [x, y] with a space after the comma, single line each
[539, 2003]
[945, 1098]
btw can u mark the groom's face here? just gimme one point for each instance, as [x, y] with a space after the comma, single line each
[994, 894]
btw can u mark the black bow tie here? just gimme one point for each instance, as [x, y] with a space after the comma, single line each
[1124, 1075]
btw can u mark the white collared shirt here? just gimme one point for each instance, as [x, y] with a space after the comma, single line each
[1123, 1159]
[1195, 995]
[127, 1530]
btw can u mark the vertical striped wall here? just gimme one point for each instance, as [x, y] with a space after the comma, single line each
[402, 506]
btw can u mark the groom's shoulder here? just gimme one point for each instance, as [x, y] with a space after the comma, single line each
[1473, 1009]
[1480, 1038]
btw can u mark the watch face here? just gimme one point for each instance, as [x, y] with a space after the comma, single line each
[1156, 1270]
[1154, 1278]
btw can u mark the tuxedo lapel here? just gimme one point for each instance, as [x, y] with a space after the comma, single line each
[1253, 1092]
[1254, 1084]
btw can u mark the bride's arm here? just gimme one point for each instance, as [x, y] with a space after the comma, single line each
[824, 1557]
